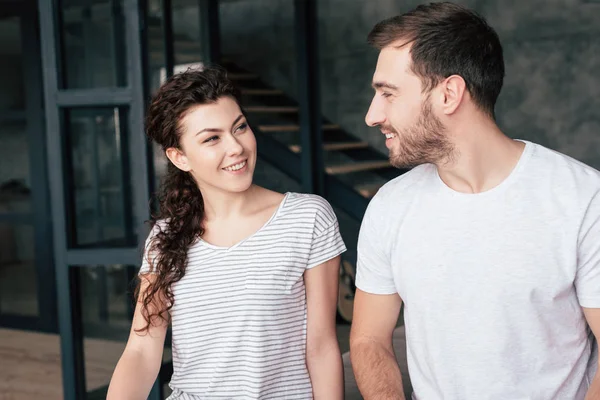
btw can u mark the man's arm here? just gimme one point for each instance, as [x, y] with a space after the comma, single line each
[587, 280]
[593, 318]
[371, 353]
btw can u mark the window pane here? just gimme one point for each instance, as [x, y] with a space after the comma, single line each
[156, 45]
[11, 90]
[187, 49]
[18, 291]
[15, 184]
[93, 43]
[186, 34]
[99, 173]
[106, 292]
[107, 307]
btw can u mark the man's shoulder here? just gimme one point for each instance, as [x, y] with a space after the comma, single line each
[395, 197]
[565, 170]
[405, 185]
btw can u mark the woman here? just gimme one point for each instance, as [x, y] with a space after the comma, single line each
[246, 277]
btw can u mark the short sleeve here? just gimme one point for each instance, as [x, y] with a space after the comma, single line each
[587, 281]
[327, 241]
[373, 267]
[150, 255]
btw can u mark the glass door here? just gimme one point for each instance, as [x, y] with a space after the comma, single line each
[27, 290]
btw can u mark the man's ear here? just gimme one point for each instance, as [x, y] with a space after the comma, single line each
[178, 159]
[453, 91]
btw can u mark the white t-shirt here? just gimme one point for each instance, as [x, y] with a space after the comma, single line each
[239, 316]
[493, 283]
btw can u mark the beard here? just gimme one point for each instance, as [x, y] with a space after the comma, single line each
[424, 142]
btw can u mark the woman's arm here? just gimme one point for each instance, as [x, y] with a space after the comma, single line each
[140, 363]
[323, 357]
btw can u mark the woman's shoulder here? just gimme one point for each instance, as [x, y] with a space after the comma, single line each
[309, 203]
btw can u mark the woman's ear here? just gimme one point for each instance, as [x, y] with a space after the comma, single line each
[178, 158]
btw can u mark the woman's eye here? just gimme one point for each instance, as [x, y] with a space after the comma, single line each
[386, 95]
[242, 127]
[211, 139]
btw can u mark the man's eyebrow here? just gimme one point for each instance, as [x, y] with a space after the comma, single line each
[384, 85]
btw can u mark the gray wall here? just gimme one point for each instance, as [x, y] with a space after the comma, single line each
[552, 53]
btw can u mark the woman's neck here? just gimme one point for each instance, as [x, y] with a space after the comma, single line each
[222, 205]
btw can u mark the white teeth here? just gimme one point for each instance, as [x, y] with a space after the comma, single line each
[236, 167]
[389, 135]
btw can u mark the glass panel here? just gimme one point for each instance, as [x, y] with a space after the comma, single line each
[93, 46]
[15, 184]
[186, 39]
[106, 293]
[101, 195]
[186, 34]
[264, 46]
[18, 291]
[12, 96]
[106, 316]
[156, 45]
[107, 307]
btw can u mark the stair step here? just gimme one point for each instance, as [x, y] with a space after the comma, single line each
[334, 146]
[270, 109]
[241, 76]
[356, 166]
[292, 128]
[368, 190]
[262, 92]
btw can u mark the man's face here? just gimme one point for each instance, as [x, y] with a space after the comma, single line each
[414, 134]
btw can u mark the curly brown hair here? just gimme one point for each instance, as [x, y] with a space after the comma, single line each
[181, 207]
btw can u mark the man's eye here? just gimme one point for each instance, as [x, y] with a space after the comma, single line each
[386, 95]
[211, 139]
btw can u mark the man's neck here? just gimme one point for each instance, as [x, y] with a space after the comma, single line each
[484, 158]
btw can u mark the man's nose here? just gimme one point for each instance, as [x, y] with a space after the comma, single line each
[375, 115]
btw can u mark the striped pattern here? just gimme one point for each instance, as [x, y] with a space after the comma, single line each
[239, 318]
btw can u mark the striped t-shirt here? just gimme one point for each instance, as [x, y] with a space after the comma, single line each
[239, 315]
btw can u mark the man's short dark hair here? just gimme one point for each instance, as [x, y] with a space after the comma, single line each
[448, 39]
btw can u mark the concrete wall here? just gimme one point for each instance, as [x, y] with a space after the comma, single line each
[552, 54]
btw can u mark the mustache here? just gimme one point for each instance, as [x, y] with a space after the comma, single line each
[387, 129]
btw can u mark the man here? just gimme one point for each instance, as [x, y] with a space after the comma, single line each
[491, 244]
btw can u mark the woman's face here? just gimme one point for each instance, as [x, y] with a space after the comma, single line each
[217, 146]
